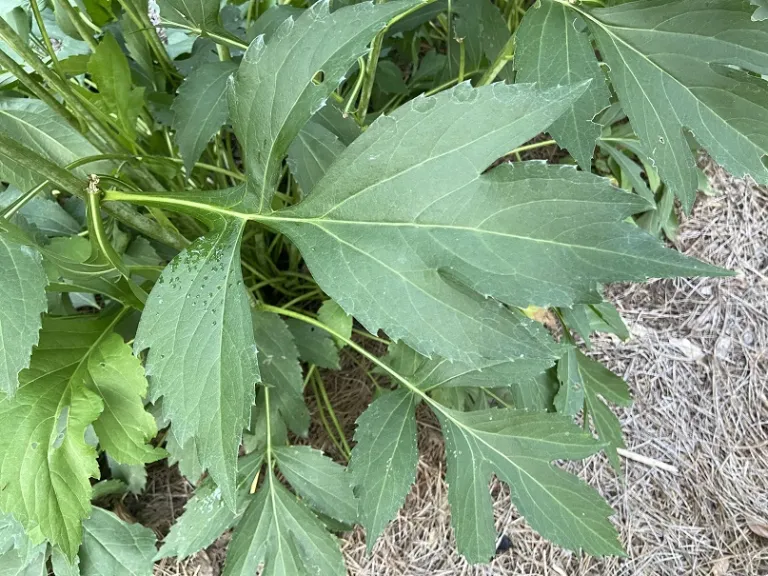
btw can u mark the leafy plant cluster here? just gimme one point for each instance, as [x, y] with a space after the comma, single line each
[209, 205]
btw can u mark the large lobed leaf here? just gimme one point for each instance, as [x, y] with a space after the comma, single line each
[518, 447]
[281, 533]
[551, 50]
[282, 83]
[421, 265]
[684, 65]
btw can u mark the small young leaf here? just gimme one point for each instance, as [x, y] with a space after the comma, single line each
[280, 532]
[202, 353]
[552, 51]
[599, 381]
[109, 68]
[518, 447]
[42, 212]
[280, 85]
[683, 64]
[315, 346]
[280, 369]
[112, 546]
[22, 290]
[200, 109]
[312, 153]
[333, 315]
[570, 397]
[206, 516]
[384, 460]
[320, 480]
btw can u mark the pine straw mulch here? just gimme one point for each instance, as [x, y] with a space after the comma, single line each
[698, 367]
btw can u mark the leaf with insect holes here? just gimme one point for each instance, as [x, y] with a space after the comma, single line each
[110, 71]
[282, 83]
[202, 353]
[421, 266]
[601, 382]
[685, 65]
[280, 369]
[22, 290]
[124, 427]
[384, 459]
[115, 547]
[518, 447]
[317, 478]
[553, 48]
[200, 109]
[33, 124]
[280, 532]
[45, 465]
[206, 516]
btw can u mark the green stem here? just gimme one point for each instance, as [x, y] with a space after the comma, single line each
[370, 75]
[67, 181]
[320, 387]
[141, 21]
[533, 146]
[506, 54]
[77, 19]
[46, 39]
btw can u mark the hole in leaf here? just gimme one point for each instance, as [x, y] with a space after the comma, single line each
[318, 78]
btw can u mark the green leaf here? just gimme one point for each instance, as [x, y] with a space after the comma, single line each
[110, 71]
[518, 447]
[553, 49]
[599, 381]
[525, 233]
[267, 24]
[124, 428]
[206, 516]
[481, 24]
[202, 16]
[315, 346]
[570, 397]
[136, 41]
[325, 484]
[312, 153]
[432, 373]
[683, 65]
[22, 291]
[112, 546]
[333, 315]
[279, 531]
[587, 318]
[632, 171]
[202, 353]
[45, 214]
[45, 464]
[62, 566]
[281, 84]
[384, 460]
[200, 109]
[761, 13]
[186, 456]
[33, 124]
[19, 556]
[280, 369]
[536, 394]
[134, 476]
